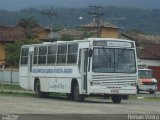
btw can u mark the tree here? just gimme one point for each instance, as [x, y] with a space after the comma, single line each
[13, 51]
[28, 24]
[67, 37]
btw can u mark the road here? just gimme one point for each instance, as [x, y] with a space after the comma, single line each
[60, 105]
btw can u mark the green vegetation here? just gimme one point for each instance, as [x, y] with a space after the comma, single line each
[28, 24]
[13, 51]
[67, 37]
[8, 86]
[19, 94]
[128, 18]
[14, 90]
[152, 99]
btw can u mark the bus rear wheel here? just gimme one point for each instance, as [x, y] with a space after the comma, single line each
[152, 92]
[116, 98]
[38, 91]
[77, 97]
[69, 96]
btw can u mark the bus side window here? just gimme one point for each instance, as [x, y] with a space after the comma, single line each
[24, 56]
[61, 56]
[72, 53]
[35, 58]
[51, 57]
[42, 55]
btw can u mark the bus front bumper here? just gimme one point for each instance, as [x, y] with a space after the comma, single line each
[123, 91]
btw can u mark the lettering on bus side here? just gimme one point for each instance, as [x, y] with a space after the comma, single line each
[56, 70]
[57, 86]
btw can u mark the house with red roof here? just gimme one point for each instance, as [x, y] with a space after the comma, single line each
[103, 30]
[148, 51]
[11, 34]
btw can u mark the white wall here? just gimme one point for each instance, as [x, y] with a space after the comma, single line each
[149, 62]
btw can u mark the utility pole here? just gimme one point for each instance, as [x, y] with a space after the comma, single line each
[50, 13]
[97, 17]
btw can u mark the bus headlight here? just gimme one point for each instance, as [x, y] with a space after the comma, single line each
[141, 83]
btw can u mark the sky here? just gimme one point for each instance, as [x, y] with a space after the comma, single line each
[13, 5]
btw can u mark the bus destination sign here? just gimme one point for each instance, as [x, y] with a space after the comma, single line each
[113, 44]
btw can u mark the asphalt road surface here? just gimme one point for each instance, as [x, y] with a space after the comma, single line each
[60, 108]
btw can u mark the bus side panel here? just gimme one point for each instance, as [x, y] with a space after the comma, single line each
[23, 77]
[65, 77]
[44, 84]
[63, 85]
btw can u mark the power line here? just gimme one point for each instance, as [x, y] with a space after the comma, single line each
[50, 13]
[97, 17]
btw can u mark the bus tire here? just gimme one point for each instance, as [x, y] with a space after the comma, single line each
[152, 92]
[138, 90]
[69, 96]
[116, 98]
[125, 97]
[77, 97]
[38, 90]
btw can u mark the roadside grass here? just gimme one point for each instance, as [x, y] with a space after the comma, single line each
[17, 94]
[57, 95]
[16, 90]
[9, 87]
[154, 99]
[144, 98]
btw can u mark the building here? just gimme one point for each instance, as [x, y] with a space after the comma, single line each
[106, 30]
[9, 35]
[12, 34]
[148, 51]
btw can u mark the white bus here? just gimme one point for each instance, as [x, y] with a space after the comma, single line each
[93, 66]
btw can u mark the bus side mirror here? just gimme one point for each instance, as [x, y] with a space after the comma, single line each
[90, 52]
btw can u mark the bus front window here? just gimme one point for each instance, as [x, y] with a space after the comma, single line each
[109, 60]
[103, 60]
[124, 61]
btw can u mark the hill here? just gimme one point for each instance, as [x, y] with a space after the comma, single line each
[133, 18]
[21, 4]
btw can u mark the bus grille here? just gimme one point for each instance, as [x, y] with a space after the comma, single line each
[112, 80]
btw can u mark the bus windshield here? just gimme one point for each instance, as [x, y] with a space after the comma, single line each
[113, 60]
[145, 74]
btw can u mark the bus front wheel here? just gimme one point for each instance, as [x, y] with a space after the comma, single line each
[152, 92]
[38, 91]
[116, 98]
[69, 96]
[77, 97]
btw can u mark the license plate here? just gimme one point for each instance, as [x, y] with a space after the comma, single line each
[115, 91]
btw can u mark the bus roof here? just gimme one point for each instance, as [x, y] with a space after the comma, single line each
[119, 39]
[84, 40]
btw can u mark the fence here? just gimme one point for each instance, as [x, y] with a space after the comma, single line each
[9, 76]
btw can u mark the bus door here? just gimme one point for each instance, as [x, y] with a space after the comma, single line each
[30, 63]
[83, 68]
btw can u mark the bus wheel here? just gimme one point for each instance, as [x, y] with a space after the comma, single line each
[38, 90]
[69, 96]
[77, 97]
[125, 97]
[138, 90]
[152, 92]
[116, 98]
